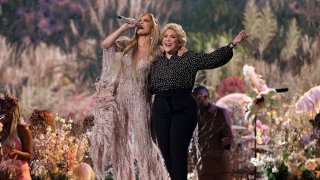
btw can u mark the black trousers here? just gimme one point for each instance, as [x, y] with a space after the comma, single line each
[174, 118]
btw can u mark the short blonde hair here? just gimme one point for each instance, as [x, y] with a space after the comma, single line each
[178, 29]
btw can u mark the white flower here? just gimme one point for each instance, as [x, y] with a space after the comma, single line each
[70, 121]
[41, 137]
[88, 133]
[275, 169]
[63, 121]
[49, 129]
[57, 117]
[69, 126]
[256, 162]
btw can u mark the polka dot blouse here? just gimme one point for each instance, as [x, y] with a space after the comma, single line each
[180, 72]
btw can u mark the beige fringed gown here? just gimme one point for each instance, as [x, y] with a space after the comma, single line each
[121, 128]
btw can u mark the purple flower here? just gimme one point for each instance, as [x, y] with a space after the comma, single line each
[63, 2]
[305, 138]
[264, 127]
[26, 40]
[50, 25]
[76, 8]
[265, 139]
[47, 2]
[3, 1]
[285, 125]
[26, 14]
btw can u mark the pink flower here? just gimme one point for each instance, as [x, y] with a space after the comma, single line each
[231, 85]
[264, 127]
[258, 124]
[310, 164]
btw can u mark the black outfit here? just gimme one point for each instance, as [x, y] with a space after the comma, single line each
[174, 111]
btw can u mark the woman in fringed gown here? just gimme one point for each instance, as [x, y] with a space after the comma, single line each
[122, 105]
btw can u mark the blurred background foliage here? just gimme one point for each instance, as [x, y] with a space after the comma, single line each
[50, 49]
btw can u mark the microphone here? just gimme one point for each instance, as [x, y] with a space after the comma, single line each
[281, 90]
[127, 20]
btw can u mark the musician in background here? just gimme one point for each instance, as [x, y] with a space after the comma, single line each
[213, 139]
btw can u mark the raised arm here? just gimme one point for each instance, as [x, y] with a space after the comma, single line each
[108, 41]
[218, 57]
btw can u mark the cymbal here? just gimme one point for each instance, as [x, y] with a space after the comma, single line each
[236, 127]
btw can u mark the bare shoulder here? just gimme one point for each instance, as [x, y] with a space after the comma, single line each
[23, 130]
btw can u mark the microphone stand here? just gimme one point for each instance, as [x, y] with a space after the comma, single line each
[255, 145]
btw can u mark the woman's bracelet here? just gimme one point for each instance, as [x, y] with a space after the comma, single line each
[232, 45]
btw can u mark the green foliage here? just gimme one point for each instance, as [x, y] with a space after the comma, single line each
[214, 16]
[195, 41]
[307, 175]
[281, 173]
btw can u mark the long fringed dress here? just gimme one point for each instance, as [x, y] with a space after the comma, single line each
[122, 121]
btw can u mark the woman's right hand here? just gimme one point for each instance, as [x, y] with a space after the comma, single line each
[110, 39]
[130, 25]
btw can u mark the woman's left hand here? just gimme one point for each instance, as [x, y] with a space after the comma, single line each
[240, 37]
[13, 150]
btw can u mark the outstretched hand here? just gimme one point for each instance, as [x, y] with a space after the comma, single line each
[240, 37]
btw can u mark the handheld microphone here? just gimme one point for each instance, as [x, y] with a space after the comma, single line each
[281, 90]
[127, 20]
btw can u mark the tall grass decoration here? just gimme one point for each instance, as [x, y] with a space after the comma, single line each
[252, 18]
[267, 28]
[292, 41]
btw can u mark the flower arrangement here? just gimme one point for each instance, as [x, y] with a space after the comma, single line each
[57, 152]
[293, 153]
[288, 145]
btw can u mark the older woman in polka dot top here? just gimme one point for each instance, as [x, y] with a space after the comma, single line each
[174, 112]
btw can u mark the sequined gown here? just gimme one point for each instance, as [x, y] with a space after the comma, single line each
[121, 128]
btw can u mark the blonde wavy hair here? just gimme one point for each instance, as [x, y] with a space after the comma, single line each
[182, 36]
[132, 45]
